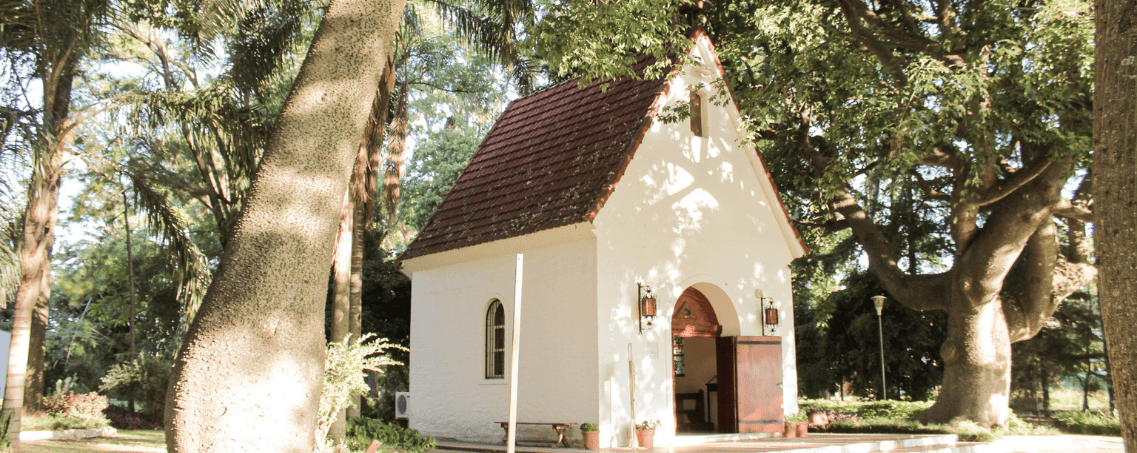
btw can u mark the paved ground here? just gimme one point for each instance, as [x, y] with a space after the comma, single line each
[1058, 444]
[1009, 444]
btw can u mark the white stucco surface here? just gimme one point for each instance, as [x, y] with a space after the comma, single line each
[451, 396]
[688, 211]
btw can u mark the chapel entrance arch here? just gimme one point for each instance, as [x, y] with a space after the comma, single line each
[694, 330]
[724, 382]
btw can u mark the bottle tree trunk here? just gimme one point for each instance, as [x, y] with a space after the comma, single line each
[988, 306]
[1115, 197]
[977, 367]
[250, 373]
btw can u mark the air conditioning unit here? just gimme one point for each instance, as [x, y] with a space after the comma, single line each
[402, 405]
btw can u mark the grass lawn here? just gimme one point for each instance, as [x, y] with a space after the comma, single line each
[125, 441]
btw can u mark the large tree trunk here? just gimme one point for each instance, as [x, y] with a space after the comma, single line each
[250, 373]
[977, 367]
[1115, 197]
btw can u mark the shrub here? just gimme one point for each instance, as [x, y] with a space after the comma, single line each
[361, 431]
[586, 427]
[143, 380]
[889, 409]
[88, 406]
[52, 422]
[121, 418]
[1092, 422]
[344, 377]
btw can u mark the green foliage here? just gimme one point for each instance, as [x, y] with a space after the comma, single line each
[648, 424]
[433, 170]
[90, 309]
[1088, 422]
[1070, 347]
[888, 409]
[344, 376]
[585, 427]
[897, 417]
[144, 380]
[361, 431]
[55, 422]
[5, 442]
[87, 407]
[839, 342]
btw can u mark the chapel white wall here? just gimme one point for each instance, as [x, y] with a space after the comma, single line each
[558, 366]
[688, 211]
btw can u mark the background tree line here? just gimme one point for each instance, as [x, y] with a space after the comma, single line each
[948, 143]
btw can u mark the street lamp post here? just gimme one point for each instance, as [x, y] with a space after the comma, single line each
[878, 301]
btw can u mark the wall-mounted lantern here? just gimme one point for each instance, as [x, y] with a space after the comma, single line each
[769, 310]
[647, 305]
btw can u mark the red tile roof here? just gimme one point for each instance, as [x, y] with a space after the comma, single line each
[550, 160]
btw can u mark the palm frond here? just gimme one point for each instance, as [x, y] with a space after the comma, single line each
[11, 245]
[169, 223]
[493, 33]
[262, 40]
[213, 115]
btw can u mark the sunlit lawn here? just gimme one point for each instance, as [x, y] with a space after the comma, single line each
[125, 441]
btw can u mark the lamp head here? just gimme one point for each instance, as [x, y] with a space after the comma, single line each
[878, 302]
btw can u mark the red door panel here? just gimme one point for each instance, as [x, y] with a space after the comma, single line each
[758, 383]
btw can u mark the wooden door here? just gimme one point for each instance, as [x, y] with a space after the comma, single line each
[758, 379]
[750, 384]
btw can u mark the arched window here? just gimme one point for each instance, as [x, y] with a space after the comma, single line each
[696, 114]
[495, 341]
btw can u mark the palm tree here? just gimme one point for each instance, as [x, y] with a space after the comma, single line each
[47, 39]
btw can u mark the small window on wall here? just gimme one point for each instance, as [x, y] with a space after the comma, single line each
[495, 341]
[696, 115]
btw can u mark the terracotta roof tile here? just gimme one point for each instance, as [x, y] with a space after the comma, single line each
[549, 161]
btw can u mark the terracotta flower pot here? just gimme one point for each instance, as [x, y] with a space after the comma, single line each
[591, 439]
[789, 431]
[646, 437]
[802, 429]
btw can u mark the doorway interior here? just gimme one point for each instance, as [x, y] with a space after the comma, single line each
[694, 330]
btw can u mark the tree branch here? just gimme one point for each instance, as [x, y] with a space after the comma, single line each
[1014, 182]
[918, 292]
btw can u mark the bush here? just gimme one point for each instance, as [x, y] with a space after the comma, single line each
[1092, 422]
[88, 406]
[361, 431]
[51, 422]
[122, 418]
[344, 366]
[897, 417]
[143, 380]
[888, 409]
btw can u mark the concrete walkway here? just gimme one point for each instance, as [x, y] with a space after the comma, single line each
[842, 443]
[1057, 444]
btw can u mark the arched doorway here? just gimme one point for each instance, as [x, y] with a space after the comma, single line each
[694, 329]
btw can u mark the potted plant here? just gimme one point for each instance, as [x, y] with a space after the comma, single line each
[645, 433]
[797, 425]
[591, 436]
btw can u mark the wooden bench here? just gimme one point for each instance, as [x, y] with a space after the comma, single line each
[558, 427]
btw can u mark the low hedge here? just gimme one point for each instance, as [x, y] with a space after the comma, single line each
[1092, 422]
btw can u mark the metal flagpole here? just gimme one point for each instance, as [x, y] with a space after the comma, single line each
[511, 440]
